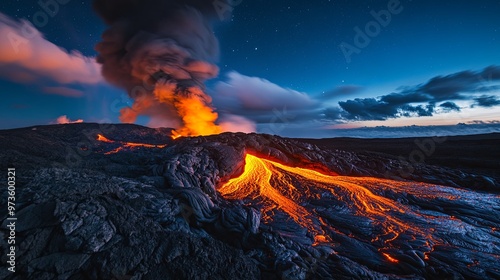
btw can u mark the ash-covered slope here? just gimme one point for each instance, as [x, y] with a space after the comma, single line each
[116, 208]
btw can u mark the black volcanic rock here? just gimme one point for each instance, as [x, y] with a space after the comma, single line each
[88, 225]
[86, 210]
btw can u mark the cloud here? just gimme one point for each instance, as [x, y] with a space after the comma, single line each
[449, 106]
[65, 120]
[375, 109]
[277, 109]
[259, 94]
[415, 131]
[486, 101]
[341, 91]
[484, 122]
[258, 99]
[421, 100]
[25, 55]
[234, 123]
[63, 91]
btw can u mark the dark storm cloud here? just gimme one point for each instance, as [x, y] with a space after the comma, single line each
[449, 106]
[421, 99]
[486, 101]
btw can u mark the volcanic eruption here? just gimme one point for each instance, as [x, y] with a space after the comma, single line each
[161, 52]
[294, 217]
[243, 206]
[124, 201]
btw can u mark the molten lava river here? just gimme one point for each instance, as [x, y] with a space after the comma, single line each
[125, 145]
[365, 218]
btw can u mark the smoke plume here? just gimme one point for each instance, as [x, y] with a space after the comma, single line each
[162, 52]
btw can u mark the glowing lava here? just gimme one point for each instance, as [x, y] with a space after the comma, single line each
[124, 145]
[372, 208]
[175, 135]
[256, 182]
[103, 139]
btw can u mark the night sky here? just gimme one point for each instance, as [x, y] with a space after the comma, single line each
[287, 67]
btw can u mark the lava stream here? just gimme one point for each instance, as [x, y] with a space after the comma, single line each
[362, 202]
[129, 145]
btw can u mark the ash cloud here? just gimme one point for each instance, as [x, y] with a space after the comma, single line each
[162, 52]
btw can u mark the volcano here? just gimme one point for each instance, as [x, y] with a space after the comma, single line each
[129, 202]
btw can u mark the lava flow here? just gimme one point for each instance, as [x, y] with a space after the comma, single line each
[388, 215]
[124, 145]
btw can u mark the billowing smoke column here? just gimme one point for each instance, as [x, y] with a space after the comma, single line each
[161, 52]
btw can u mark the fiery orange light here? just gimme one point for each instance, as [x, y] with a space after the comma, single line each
[391, 259]
[175, 135]
[193, 107]
[277, 185]
[102, 138]
[256, 182]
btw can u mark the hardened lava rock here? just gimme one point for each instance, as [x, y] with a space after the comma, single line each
[86, 210]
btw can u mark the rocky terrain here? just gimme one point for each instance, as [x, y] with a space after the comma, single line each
[115, 208]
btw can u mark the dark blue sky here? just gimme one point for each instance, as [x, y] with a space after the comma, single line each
[295, 45]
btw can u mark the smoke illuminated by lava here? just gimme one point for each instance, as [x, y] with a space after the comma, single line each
[376, 207]
[191, 105]
[161, 52]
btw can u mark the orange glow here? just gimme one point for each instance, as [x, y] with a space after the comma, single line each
[101, 138]
[129, 145]
[198, 117]
[175, 135]
[285, 188]
[318, 239]
[256, 182]
[391, 259]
